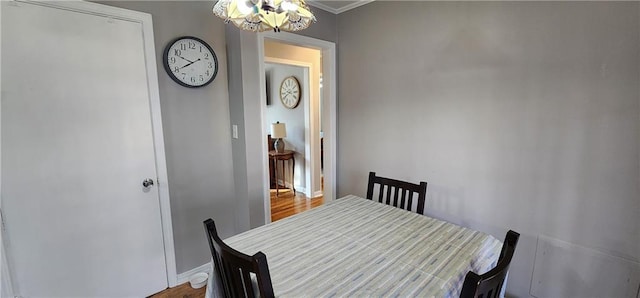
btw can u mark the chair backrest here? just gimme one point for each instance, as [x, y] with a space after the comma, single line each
[270, 143]
[235, 268]
[489, 285]
[397, 193]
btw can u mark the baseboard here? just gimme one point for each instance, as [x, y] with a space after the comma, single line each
[301, 189]
[288, 185]
[184, 277]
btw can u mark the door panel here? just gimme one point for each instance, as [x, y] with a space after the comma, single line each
[77, 143]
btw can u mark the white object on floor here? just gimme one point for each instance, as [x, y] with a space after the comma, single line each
[198, 280]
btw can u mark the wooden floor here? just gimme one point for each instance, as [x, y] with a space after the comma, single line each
[285, 204]
[182, 291]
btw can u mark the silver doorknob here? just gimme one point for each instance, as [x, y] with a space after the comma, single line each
[147, 182]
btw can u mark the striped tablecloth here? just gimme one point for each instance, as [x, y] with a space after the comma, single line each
[357, 247]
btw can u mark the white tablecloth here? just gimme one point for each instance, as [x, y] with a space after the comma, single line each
[358, 247]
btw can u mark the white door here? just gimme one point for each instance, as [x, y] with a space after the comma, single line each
[77, 144]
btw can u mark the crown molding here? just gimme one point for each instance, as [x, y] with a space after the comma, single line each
[324, 7]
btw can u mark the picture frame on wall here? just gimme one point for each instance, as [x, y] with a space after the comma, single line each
[267, 77]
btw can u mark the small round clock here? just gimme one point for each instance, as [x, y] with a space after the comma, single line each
[190, 62]
[290, 92]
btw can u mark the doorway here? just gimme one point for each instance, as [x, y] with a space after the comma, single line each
[301, 66]
[319, 152]
[294, 173]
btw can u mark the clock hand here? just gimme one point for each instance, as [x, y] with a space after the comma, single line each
[192, 62]
[185, 59]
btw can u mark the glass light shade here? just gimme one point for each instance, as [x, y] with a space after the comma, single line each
[245, 7]
[288, 6]
[264, 15]
[278, 130]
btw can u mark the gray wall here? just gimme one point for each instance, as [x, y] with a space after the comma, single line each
[292, 118]
[325, 26]
[520, 115]
[196, 130]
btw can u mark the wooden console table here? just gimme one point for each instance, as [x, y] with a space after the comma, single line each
[286, 155]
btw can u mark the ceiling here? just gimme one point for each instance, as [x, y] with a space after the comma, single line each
[337, 6]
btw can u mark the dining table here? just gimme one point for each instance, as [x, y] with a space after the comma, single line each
[354, 247]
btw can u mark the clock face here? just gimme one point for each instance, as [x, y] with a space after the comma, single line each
[190, 62]
[290, 92]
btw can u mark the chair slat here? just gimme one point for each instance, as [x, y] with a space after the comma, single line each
[395, 197]
[248, 287]
[236, 280]
[389, 194]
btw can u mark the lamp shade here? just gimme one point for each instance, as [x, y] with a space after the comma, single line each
[278, 130]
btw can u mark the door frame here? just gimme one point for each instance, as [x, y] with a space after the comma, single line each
[6, 286]
[308, 161]
[154, 103]
[329, 115]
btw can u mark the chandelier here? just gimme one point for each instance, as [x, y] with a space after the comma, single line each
[264, 15]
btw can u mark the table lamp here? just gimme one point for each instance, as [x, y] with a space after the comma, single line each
[278, 131]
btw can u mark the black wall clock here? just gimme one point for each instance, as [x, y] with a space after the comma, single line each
[190, 62]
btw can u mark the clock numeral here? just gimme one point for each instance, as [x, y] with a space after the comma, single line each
[176, 69]
[172, 60]
[201, 78]
[177, 52]
[206, 56]
[207, 72]
[183, 46]
[184, 76]
[193, 79]
[192, 45]
[210, 65]
[200, 49]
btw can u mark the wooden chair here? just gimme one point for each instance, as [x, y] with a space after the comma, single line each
[489, 285]
[272, 166]
[402, 192]
[235, 268]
